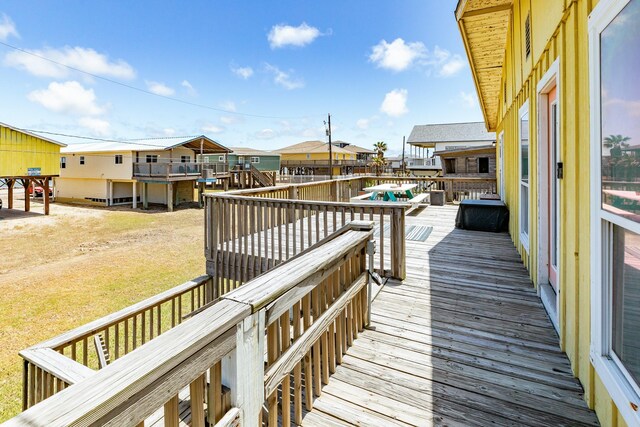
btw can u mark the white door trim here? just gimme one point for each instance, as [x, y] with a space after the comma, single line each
[501, 148]
[550, 299]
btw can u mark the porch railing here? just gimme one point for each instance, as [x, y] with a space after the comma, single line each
[303, 315]
[53, 365]
[179, 169]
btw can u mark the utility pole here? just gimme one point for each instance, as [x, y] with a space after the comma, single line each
[404, 171]
[328, 123]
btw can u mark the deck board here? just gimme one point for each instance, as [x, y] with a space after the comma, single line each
[464, 340]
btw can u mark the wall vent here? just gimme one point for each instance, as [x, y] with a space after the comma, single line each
[527, 36]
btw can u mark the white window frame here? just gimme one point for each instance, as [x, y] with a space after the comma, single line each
[81, 160]
[621, 388]
[220, 158]
[63, 162]
[255, 159]
[185, 159]
[524, 236]
[118, 157]
[500, 140]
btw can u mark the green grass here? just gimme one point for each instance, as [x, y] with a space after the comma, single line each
[55, 278]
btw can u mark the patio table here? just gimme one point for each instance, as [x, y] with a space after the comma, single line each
[389, 191]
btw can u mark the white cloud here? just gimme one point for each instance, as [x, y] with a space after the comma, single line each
[397, 55]
[286, 35]
[159, 88]
[395, 103]
[68, 97]
[84, 59]
[284, 79]
[229, 106]
[242, 72]
[266, 134]
[190, 89]
[7, 28]
[168, 132]
[213, 129]
[229, 120]
[468, 99]
[96, 126]
[452, 66]
[363, 123]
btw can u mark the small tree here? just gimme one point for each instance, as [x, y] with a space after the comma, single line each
[379, 161]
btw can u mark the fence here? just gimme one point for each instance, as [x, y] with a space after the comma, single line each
[312, 307]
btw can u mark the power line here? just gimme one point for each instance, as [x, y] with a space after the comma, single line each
[121, 141]
[170, 98]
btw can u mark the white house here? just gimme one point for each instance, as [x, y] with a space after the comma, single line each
[161, 171]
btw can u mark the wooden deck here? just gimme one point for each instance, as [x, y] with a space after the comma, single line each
[463, 341]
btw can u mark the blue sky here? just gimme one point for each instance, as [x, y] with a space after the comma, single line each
[275, 68]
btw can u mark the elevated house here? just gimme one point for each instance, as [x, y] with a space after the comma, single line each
[557, 82]
[27, 159]
[312, 158]
[160, 171]
[424, 140]
[248, 167]
[468, 162]
[364, 156]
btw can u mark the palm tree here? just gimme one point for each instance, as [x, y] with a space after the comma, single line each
[378, 163]
[380, 148]
[616, 141]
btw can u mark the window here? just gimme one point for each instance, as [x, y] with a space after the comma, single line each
[63, 162]
[82, 160]
[614, 52]
[308, 156]
[450, 165]
[483, 165]
[524, 175]
[255, 160]
[118, 159]
[152, 158]
[221, 159]
[185, 159]
[205, 159]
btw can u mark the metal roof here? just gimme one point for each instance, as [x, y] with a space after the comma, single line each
[149, 144]
[311, 147]
[44, 138]
[247, 151]
[451, 132]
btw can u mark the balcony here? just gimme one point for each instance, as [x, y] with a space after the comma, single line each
[291, 326]
[321, 163]
[179, 170]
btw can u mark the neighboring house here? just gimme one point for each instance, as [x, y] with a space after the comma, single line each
[240, 157]
[424, 140]
[312, 158]
[29, 159]
[556, 81]
[161, 171]
[364, 156]
[475, 162]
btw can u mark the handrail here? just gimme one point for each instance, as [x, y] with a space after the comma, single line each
[133, 387]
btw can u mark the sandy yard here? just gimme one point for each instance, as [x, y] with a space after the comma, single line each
[80, 263]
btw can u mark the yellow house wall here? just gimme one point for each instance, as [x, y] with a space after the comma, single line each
[19, 151]
[317, 156]
[558, 30]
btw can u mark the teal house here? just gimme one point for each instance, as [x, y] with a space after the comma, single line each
[241, 157]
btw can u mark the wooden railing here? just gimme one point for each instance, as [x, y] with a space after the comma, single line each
[303, 315]
[122, 331]
[248, 235]
[456, 189]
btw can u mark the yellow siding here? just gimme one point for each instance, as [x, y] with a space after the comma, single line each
[19, 151]
[317, 156]
[558, 30]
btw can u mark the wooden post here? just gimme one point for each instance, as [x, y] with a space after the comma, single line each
[293, 192]
[200, 194]
[145, 195]
[243, 369]
[10, 183]
[170, 197]
[134, 205]
[26, 183]
[46, 196]
[398, 265]
[334, 191]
